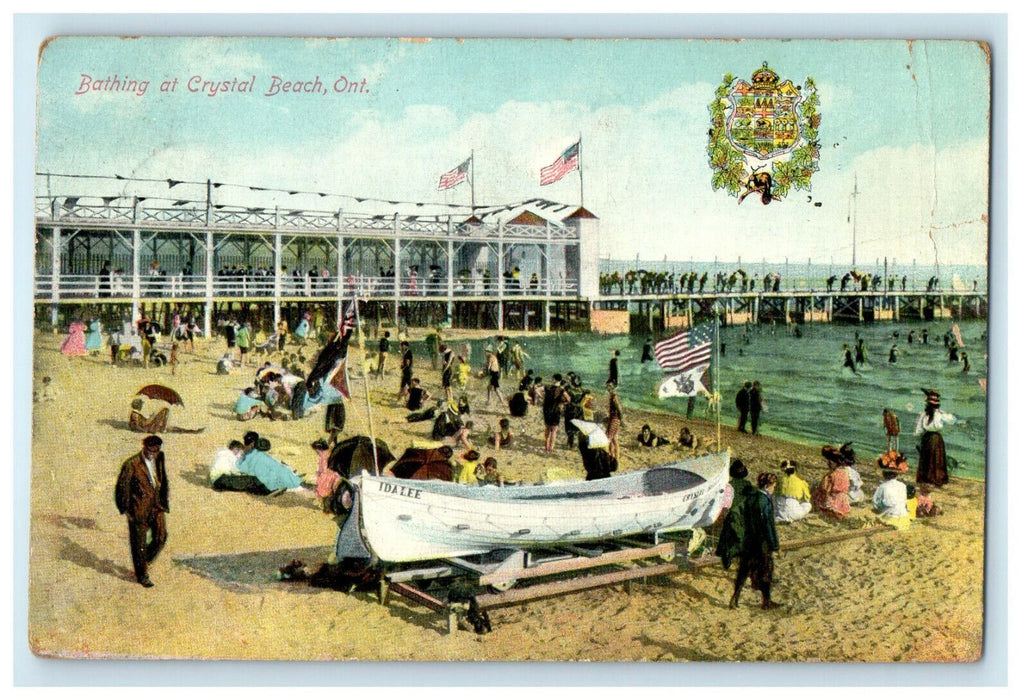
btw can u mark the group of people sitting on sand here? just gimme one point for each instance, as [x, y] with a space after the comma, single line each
[282, 394]
[894, 502]
[248, 466]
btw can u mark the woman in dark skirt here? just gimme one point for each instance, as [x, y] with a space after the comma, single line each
[931, 464]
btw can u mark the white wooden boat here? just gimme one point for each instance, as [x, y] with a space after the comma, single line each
[399, 520]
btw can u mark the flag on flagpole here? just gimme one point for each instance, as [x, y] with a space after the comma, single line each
[686, 383]
[686, 350]
[349, 319]
[567, 162]
[455, 176]
[340, 378]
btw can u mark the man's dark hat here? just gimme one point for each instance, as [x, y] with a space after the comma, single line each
[152, 441]
[320, 444]
[251, 437]
[738, 470]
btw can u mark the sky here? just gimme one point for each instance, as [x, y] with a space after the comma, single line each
[909, 121]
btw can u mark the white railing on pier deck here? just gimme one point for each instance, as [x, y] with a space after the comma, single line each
[195, 286]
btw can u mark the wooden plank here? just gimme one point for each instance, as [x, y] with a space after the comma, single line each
[827, 539]
[581, 551]
[665, 549]
[423, 574]
[557, 588]
[420, 597]
[800, 544]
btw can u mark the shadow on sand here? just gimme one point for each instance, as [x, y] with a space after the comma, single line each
[116, 424]
[256, 569]
[80, 556]
[676, 651]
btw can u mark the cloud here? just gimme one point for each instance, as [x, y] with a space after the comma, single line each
[645, 175]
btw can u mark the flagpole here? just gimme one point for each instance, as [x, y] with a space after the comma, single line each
[581, 176]
[472, 181]
[717, 375]
[367, 391]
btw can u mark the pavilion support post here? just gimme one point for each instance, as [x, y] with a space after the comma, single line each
[340, 281]
[278, 275]
[449, 270]
[208, 291]
[501, 281]
[137, 244]
[55, 271]
[546, 315]
[396, 270]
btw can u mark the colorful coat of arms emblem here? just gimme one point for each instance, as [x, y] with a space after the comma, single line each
[763, 136]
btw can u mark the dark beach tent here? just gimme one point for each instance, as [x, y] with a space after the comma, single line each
[424, 464]
[351, 456]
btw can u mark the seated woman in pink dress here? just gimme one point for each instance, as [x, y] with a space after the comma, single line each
[75, 344]
[831, 497]
[327, 478]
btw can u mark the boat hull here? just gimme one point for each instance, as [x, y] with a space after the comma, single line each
[402, 520]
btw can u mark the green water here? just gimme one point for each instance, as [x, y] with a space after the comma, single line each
[810, 397]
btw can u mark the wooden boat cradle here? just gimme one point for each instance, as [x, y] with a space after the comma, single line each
[554, 572]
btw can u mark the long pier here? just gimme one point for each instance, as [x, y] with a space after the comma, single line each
[656, 312]
[525, 273]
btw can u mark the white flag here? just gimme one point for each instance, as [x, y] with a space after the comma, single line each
[687, 383]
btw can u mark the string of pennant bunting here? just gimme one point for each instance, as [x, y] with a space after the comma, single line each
[480, 209]
[565, 163]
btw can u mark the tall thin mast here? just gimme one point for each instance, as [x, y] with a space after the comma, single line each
[581, 176]
[472, 178]
[855, 193]
[717, 375]
[364, 374]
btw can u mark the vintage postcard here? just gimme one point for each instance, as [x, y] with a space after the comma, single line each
[510, 349]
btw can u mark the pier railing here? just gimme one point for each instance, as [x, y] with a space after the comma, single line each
[120, 287]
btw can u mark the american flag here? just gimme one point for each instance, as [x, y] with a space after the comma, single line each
[686, 350]
[455, 176]
[567, 162]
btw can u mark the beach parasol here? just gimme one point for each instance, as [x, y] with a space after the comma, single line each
[353, 455]
[161, 393]
[596, 435]
[420, 464]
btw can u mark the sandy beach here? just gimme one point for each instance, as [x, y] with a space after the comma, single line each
[879, 596]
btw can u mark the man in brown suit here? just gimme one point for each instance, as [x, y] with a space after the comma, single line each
[142, 496]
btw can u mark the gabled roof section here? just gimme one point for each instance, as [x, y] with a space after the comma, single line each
[528, 218]
[580, 213]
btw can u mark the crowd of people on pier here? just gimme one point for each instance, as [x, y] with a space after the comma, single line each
[241, 280]
[643, 281]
